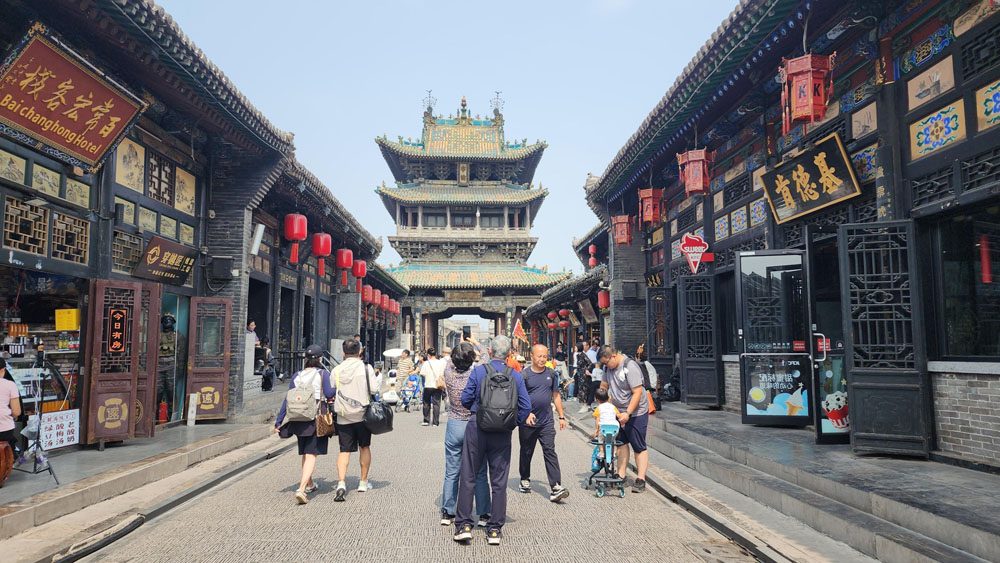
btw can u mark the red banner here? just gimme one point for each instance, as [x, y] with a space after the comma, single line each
[53, 96]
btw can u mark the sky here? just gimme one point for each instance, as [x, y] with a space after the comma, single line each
[581, 75]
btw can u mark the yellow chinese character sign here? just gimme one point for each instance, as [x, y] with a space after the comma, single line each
[49, 94]
[166, 261]
[810, 181]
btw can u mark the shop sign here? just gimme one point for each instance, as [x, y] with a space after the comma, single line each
[117, 329]
[166, 262]
[695, 249]
[587, 310]
[60, 429]
[814, 179]
[51, 95]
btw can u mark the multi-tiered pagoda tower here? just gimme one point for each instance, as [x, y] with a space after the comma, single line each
[464, 204]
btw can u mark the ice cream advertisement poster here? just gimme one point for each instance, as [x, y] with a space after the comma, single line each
[778, 386]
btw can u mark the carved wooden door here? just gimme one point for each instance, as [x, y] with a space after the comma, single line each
[208, 355]
[114, 319]
[696, 325]
[149, 347]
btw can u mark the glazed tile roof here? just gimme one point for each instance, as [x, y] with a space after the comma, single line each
[461, 195]
[568, 291]
[379, 271]
[698, 84]
[462, 141]
[149, 23]
[475, 276]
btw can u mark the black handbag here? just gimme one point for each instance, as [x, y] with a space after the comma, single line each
[378, 415]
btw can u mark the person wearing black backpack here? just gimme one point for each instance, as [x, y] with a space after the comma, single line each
[498, 401]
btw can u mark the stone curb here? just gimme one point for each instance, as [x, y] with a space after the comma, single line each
[25, 514]
[758, 547]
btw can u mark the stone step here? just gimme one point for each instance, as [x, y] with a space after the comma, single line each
[260, 408]
[824, 509]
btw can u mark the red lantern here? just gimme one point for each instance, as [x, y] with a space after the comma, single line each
[808, 82]
[552, 315]
[649, 206]
[592, 262]
[360, 270]
[377, 297]
[563, 312]
[563, 324]
[385, 302]
[552, 326]
[295, 231]
[592, 249]
[621, 226]
[345, 259]
[321, 248]
[366, 294]
[604, 299]
[694, 170]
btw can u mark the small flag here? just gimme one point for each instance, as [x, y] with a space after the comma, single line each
[519, 332]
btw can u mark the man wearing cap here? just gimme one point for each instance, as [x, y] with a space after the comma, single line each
[352, 396]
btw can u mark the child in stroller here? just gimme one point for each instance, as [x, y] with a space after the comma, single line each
[605, 445]
[410, 393]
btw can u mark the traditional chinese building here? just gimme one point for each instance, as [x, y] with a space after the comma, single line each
[464, 203]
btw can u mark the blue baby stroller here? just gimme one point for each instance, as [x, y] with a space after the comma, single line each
[410, 393]
[605, 461]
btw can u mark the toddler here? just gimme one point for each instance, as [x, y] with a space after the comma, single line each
[605, 415]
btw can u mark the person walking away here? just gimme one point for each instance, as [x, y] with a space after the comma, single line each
[456, 377]
[432, 372]
[595, 376]
[542, 384]
[490, 385]
[310, 445]
[581, 375]
[623, 380]
[267, 377]
[352, 380]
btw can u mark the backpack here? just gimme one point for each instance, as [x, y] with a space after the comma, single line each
[645, 374]
[497, 411]
[300, 402]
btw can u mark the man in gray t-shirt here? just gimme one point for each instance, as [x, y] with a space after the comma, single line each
[624, 382]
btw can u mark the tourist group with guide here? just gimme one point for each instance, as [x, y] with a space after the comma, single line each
[487, 399]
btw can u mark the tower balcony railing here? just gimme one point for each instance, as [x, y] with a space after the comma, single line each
[460, 232]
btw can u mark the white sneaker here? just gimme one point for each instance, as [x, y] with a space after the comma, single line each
[300, 496]
[583, 410]
[363, 486]
[425, 424]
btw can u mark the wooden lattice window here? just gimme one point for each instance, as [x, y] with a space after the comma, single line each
[70, 238]
[25, 227]
[161, 179]
[126, 251]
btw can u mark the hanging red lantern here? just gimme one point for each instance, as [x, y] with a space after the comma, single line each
[385, 302]
[604, 299]
[360, 270]
[694, 170]
[592, 249]
[376, 297]
[552, 315]
[808, 83]
[345, 259]
[552, 326]
[563, 324]
[563, 312]
[295, 231]
[649, 206]
[592, 262]
[366, 294]
[321, 248]
[621, 226]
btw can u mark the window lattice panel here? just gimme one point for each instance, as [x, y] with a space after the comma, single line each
[737, 190]
[117, 298]
[126, 251]
[161, 179]
[981, 171]
[70, 238]
[932, 187]
[982, 53]
[25, 227]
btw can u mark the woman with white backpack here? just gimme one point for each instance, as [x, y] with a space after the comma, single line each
[307, 388]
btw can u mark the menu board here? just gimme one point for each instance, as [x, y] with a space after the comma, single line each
[776, 389]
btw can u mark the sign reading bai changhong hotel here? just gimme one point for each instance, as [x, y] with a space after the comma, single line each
[814, 179]
[51, 96]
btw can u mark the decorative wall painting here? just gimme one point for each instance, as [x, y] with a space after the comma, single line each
[168, 226]
[864, 163]
[930, 83]
[45, 180]
[739, 220]
[988, 105]
[940, 129]
[718, 201]
[758, 212]
[147, 219]
[722, 228]
[77, 192]
[129, 214]
[974, 15]
[12, 167]
[130, 165]
[186, 234]
[184, 191]
[864, 121]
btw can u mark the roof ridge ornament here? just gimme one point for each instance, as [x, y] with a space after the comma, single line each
[429, 102]
[497, 103]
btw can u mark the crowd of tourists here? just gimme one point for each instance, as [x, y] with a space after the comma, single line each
[489, 392]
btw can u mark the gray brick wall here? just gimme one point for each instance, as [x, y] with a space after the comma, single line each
[732, 386]
[628, 314]
[346, 315]
[967, 414]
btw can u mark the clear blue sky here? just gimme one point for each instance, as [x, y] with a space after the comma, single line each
[581, 75]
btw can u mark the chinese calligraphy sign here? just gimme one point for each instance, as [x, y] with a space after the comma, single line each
[117, 331]
[811, 181]
[166, 262]
[49, 94]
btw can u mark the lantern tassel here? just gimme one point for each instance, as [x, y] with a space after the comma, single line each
[322, 268]
[294, 258]
[343, 278]
[359, 285]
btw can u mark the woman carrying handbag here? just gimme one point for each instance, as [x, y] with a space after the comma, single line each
[307, 388]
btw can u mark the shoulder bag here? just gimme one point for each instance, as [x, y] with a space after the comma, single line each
[378, 415]
[438, 378]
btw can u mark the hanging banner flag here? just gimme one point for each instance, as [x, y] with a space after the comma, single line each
[51, 95]
[519, 332]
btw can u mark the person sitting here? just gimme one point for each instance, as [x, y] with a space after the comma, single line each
[605, 415]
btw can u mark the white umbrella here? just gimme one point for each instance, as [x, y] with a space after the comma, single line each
[393, 353]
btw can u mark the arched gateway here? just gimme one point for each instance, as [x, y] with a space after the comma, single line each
[464, 204]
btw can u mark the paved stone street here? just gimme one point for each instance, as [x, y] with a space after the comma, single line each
[255, 518]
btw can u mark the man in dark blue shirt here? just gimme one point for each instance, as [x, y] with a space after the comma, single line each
[494, 447]
[543, 389]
